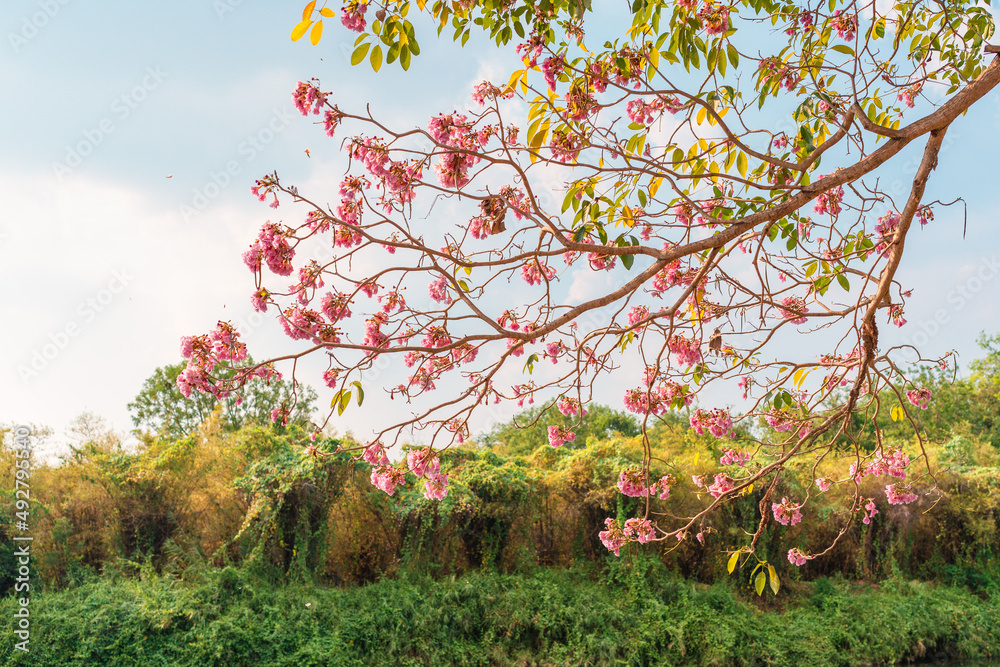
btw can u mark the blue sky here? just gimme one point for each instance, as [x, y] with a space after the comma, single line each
[108, 262]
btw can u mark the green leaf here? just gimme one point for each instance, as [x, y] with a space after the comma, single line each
[843, 48]
[336, 398]
[842, 279]
[345, 400]
[733, 560]
[627, 261]
[360, 53]
[361, 392]
[758, 582]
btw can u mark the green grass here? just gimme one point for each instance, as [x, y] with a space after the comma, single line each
[550, 617]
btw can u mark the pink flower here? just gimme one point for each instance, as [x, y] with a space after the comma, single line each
[899, 494]
[794, 307]
[846, 26]
[640, 530]
[570, 407]
[823, 484]
[829, 201]
[435, 486]
[919, 397]
[797, 557]
[374, 454]
[614, 537]
[534, 271]
[717, 422]
[686, 351]
[721, 486]
[558, 435]
[735, 457]
[632, 481]
[422, 460]
[662, 486]
[869, 511]
[386, 478]
[786, 513]
[352, 16]
[439, 290]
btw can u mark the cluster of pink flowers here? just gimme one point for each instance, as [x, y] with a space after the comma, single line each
[794, 307]
[908, 95]
[565, 146]
[308, 98]
[892, 464]
[552, 68]
[438, 289]
[373, 331]
[352, 15]
[899, 494]
[919, 397]
[662, 486]
[455, 131]
[869, 511]
[686, 351]
[846, 25]
[350, 209]
[721, 485]
[925, 214]
[715, 18]
[386, 478]
[829, 201]
[580, 103]
[398, 178]
[786, 513]
[823, 484]
[336, 306]
[303, 323]
[632, 482]
[717, 422]
[772, 69]
[204, 352]
[535, 271]
[487, 91]
[797, 557]
[780, 420]
[658, 400]
[735, 457]
[780, 141]
[271, 246]
[802, 20]
[559, 435]
[886, 229]
[637, 314]
[422, 460]
[640, 530]
[644, 113]
[570, 407]
[613, 538]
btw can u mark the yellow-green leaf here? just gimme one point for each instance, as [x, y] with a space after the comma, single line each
[300, 30]
[376, 58]
[773, 578]
[732, 561]
[758, 582]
